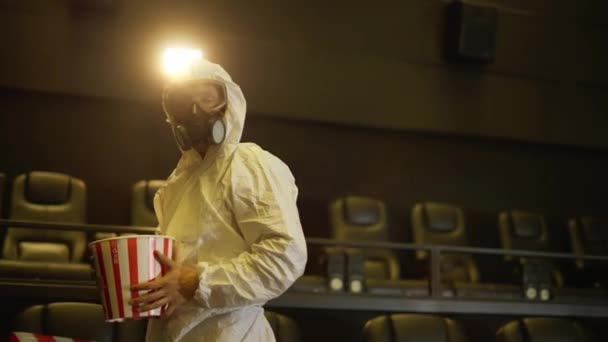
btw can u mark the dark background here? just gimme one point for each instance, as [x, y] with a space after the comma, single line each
[355, 98]
[371, 64]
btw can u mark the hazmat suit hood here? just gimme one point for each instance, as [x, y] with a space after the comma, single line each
[234, 117]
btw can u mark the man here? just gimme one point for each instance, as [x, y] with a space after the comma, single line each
[232, 208]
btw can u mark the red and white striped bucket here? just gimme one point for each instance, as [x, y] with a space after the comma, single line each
[125, 261]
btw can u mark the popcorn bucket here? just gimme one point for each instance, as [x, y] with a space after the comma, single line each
[125, 261]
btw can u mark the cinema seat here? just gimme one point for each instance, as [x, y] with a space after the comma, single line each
[2, 186]
[76, 320]
[374, 270]
[445, 224]
[522, 230]
[527, 231]
[413, 327]
[37, 253]
[285, 329]
[588, 235]
[142, 202]
[46, 196]
[543, 330]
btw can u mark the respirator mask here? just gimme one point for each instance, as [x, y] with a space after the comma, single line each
[195, 110]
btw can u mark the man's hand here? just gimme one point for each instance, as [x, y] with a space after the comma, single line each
[173, 289]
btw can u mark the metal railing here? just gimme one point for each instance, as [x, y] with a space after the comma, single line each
[86, 227]
[435, 251]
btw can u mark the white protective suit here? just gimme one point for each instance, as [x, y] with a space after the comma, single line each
[234, 216]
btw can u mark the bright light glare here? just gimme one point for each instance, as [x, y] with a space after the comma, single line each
[177, 60]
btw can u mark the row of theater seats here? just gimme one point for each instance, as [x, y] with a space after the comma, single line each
[431, 328]
[49, 254]
[86, 321]
[377, 270]
[54, 254]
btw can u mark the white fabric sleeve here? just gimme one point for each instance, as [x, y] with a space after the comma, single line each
[264, 206]
[158, 209]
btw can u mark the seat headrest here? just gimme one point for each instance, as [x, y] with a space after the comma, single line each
[361, 211]
[543, 329]
[441, 218]
[75, 320]
[594, 230]
[152, 187]
[47, 187]
[526, 225]
[283, 327]
[58, 252]
[413, 327]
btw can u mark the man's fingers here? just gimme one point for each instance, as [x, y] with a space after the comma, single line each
[149, 285]
[154, 305]
[149, 297]
[169, 311]
[176, 250]
[164, 260]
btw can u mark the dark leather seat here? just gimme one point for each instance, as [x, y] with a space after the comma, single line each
[375, 270]
[142, 206]
[77, 320]
[142, 202]
[413, 327]
[2, 186]
[36, 253]
[543, 330]
[445, 224]
[525, 231]
[285, 329]
[522, 230]
[589, 235]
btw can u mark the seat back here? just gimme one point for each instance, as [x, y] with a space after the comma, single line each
[444, 224]
[2, 185]
[284, 328]
[142, 202]
[359, 219]
[380, 264]
[523, 230]
[76, 320]
[46, 196]
[365, 219]
[413, 327]
[543, 330]
[528, 231]
[2, 202]
[588, 235]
